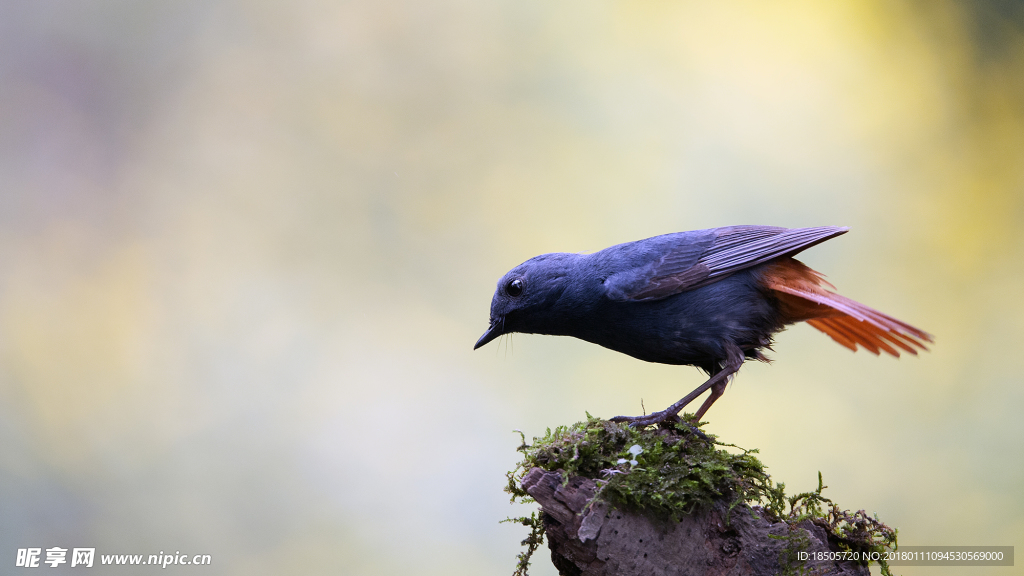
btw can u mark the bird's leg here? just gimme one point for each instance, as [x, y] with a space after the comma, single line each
[716, 383]
[716, 392]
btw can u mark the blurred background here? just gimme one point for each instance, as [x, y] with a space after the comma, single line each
[246, 249]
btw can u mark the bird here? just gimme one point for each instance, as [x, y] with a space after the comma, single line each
[710, 298]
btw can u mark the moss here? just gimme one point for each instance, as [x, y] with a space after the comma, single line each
[669, 471]
[531, 542]
[847, 531]
[666, 471]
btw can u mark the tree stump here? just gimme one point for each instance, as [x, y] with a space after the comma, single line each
[603, 541]
[672, 501]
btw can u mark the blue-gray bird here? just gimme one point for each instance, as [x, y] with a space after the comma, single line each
[706, 298]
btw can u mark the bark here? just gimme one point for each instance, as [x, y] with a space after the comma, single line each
[598, 540]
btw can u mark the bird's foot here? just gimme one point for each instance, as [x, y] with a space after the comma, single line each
[664, 418]
[646, 420]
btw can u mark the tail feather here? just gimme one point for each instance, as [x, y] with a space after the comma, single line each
[839, 335]
[848, 322]
[854, 330]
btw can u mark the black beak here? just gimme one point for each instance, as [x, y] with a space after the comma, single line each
[493, 332]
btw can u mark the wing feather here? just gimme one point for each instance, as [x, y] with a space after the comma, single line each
[740, 247]
[673, 263]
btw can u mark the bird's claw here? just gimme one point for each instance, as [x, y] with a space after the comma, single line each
[648, 419]
[663, 417]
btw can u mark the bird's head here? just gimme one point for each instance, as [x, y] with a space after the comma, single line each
[527, 297]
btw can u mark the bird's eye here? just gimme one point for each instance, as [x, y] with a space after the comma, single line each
[514, 287]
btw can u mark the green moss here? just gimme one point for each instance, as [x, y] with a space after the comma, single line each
[531, 542]
[669, 471]
[849, 531]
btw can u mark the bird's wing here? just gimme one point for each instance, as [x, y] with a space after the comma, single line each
[673, 263]
[739, 247]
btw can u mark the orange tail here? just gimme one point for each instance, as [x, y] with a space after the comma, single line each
[802, 298]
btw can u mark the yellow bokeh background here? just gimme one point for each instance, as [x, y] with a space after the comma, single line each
[246, 249]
